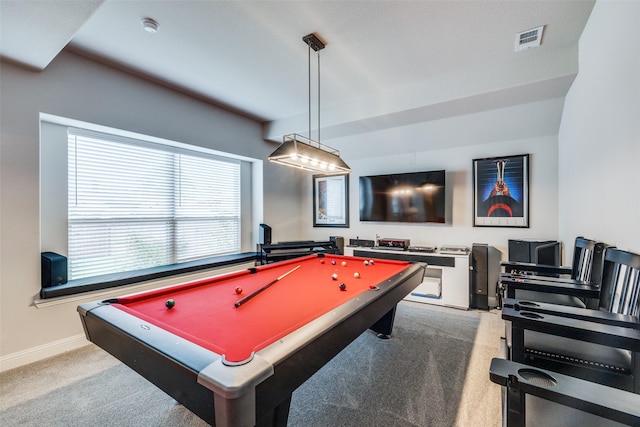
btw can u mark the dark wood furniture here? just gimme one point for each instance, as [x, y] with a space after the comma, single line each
[600, 345]
[578, 285]
[592, 404]
[273, 252]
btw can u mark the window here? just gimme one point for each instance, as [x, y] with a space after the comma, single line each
[135, 205]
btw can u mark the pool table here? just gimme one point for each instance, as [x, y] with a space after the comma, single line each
[238, 364]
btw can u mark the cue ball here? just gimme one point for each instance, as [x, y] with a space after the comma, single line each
[366, 263]
[356, 275]
[333, 262]
[238, 290]
[170, 303]
[343, 287]
[344, 263]
[334, 276]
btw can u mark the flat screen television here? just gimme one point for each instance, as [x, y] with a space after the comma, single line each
[403, 197]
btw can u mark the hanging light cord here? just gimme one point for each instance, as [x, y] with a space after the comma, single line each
[309, 72]
[318, 97]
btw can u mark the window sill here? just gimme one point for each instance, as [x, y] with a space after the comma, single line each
[108, 281]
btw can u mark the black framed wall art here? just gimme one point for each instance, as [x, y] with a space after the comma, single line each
[501, 191]
[331, 201]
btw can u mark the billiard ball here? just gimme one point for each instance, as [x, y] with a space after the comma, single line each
[334, 276]
[370, 262]
[366, 263]
[238, 290]
[170, 303]
[321, 261]
[342, 287]
[333, 261]
[344, 263]
[356, 275]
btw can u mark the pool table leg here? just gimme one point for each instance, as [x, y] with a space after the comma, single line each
[240, 411]
[277, 417]
[384, 325]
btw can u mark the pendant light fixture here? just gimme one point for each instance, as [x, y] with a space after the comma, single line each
[305, 153]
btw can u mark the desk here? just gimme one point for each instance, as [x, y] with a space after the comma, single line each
[238, 366]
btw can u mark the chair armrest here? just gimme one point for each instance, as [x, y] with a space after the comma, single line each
[588, 315]
[607, 402]
[575, 288]
[538, 277]
[536, 269]
[627, 338]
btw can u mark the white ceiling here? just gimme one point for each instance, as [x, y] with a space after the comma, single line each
[387, 64]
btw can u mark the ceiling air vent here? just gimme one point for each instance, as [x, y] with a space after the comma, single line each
[528, 39]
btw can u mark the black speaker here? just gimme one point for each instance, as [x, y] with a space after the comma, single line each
[484, 274]
[54, 269]
[529, 251]
[265, 234]
[549, 254]
[339, 241]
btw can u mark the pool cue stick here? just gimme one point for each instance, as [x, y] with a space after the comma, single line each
[254, 293]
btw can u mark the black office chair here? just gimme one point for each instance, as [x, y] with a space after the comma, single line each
[553, 285]
[600, 345]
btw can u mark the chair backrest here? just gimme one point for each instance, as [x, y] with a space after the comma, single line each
[620, 282]
[583, 253]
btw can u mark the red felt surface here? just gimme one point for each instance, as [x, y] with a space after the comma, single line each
[204, 311]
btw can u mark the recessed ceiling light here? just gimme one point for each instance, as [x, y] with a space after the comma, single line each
[150, 25]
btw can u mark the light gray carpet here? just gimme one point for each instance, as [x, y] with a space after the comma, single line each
[433, 372]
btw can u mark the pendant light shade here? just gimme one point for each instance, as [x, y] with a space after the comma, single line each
[305, 153]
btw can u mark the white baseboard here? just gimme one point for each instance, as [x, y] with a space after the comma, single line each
[34, 354]
[41, 352]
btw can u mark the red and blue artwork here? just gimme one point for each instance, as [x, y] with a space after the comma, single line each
[501, 191]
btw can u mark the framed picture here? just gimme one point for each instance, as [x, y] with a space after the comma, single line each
[331, 201]
[501, 191]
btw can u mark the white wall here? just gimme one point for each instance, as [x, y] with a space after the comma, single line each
[458, 163]
[599, 138]
[81, 89]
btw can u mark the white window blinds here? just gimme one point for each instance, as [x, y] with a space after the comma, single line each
[134, 206]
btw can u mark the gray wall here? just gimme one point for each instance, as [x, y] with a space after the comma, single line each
[599, 138]
[81, 89]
